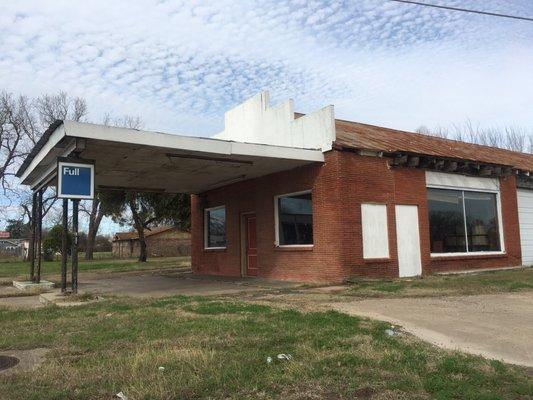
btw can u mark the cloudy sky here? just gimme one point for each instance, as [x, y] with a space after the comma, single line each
[180, 64]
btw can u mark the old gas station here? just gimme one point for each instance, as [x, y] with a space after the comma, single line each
[295, 197]
[80, 158]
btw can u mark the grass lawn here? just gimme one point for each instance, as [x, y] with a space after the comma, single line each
[445, 285]
[217, 349]
[14, 269]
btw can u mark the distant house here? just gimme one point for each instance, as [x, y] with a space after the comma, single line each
[12, 247]
[162, 241]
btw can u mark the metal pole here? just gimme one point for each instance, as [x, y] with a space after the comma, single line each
[39, 234]
[33, 246]
[64, 247]
[74, 278]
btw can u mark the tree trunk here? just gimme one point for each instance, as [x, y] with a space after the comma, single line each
[139, 227]
[142, 247]
[94, 224]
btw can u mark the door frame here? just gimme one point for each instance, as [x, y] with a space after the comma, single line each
[242, 233]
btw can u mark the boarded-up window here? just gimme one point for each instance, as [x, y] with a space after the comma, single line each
[375, 231]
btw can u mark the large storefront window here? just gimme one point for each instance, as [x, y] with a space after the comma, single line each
[295, 219]
[463, 221]
[215, 227]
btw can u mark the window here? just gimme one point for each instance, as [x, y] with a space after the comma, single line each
[375, 231]
[463, 221]
[294, 219]
[215, 228]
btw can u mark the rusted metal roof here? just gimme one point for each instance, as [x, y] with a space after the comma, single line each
[355, 135]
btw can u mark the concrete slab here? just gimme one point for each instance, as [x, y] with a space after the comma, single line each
[497, 326]
[151, 285]
[29, 286]
[62, 300]
[29, 360]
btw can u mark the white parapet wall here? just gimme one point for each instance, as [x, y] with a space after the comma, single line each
[254, 121]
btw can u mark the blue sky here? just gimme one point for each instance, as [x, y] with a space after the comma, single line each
[180, 64]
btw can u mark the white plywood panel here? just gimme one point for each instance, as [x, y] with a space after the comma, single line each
[408, 239]
[457, 181]
[525, 217]
[375, 231]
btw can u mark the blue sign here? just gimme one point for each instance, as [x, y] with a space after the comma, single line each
[75, 180]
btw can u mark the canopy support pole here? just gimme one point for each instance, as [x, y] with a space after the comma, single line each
[33, 246]
[64, 247]
[39, 234]
[74, 256]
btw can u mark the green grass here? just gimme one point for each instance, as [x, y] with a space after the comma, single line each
[217, 349]
[20, 269]
[445, 285]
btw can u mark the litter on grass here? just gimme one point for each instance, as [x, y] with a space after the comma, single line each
[391, 331]
[281, 357]
[286, 357]
[121, 396]
[161, 368]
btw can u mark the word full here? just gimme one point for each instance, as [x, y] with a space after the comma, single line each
[71, 171]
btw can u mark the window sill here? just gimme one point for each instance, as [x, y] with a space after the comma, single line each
[468, 256]
[294, 248]
[214, 249]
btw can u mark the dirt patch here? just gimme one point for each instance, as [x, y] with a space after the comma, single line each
[28, 360]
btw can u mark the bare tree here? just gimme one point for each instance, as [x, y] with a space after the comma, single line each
[510, 138]
[106, 203]
[22, 122]
[109, 203]
[126, 121]
[17, 132]
[60, 106]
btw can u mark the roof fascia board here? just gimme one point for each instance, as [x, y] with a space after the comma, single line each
[51, 171]
[188, 143]
[54, 139]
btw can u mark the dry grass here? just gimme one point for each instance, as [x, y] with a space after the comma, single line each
[217, 349]
[445, 285]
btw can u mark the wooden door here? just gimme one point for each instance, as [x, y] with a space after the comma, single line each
[251, 245]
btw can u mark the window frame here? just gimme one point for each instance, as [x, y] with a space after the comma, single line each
[498, 214]
[206, 228]
[276, 220]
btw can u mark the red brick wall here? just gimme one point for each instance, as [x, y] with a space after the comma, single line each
[339, 186]
[322, 263]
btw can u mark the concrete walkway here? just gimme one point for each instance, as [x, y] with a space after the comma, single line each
[151, 284]
[498, 326]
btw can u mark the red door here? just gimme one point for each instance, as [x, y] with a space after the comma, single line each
[251, 245]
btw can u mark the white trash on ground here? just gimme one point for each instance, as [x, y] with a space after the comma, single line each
[120, 396]
[286, 357]
[281, 357]
[391, 331]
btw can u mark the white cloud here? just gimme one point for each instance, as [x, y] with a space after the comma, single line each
[179, 65]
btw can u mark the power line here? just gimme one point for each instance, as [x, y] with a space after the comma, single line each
[464, 10]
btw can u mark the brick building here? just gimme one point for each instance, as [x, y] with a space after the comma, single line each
[162, 241]
[312, 198]
[384, 203]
